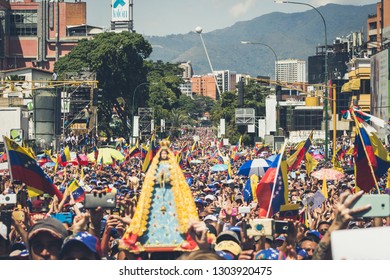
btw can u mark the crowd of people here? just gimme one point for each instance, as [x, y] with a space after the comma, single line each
[48, 227]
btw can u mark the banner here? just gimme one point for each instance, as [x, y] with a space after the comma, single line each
[120, 10]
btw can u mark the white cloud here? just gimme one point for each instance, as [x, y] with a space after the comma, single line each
[242, 8]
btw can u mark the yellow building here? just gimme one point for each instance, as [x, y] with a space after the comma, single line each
[359, 70]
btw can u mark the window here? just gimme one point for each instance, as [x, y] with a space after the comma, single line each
[23, 23]
[373, 38]
[307, 119]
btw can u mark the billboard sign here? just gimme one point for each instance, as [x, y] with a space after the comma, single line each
[120, 10]
[380, 91]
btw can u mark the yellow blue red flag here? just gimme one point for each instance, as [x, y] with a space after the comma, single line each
[25, 169]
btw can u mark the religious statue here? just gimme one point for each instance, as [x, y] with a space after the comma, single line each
[165, 209]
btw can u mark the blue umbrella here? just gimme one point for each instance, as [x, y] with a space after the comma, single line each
[271, 158]
[257, 166]
[49, 164]
[219, 167]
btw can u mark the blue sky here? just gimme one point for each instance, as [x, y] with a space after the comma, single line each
[164, 17]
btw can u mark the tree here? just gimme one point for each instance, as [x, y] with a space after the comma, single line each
[195, 107]
[177, 118]
[254, 97]
[118, 61]
[164, 80]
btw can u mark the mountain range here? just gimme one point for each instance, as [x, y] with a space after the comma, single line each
[290, 35]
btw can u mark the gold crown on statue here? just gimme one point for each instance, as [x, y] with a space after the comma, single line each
[165, 144]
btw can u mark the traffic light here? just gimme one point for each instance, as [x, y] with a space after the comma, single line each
[97, 96]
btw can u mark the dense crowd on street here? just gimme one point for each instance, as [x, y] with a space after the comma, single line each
[49, 227]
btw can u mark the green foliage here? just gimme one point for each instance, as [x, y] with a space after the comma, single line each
[196, 106]
[118, 61]
[254, 97]
[166, 99]
[164, 80]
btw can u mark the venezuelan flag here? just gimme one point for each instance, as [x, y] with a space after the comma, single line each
[135, 150]
[65, 156]
[273, 188]
[150, 154]
[295, 160]
[76, 190]
[25, 169]
[369, 153]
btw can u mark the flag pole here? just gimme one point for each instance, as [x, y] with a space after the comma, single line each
[365, 151]
[276, 178]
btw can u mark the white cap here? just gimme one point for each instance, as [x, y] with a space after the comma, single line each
[210, 196]
[211, 218]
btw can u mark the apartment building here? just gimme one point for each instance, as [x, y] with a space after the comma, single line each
[291, 70]
[378, 28]
[204, 85]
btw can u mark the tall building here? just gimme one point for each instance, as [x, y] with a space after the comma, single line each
[188, 72]
[291, 70]
[374, 25]
[378, 28]
[36, 34]
[341, 51]
[359, 71]
[226, 80]
[204, 85]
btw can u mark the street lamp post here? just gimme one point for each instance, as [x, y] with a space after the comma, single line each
[199, 31]
[325, 71]
[132, 107]
[276, 77]
[273, 51]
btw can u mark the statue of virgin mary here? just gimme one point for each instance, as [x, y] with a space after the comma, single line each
[165, 209]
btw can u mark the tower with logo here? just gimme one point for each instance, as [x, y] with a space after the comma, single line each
[122, 15]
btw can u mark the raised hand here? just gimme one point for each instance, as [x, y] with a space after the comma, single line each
[198, 232]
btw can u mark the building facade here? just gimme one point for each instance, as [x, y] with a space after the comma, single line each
[378, 28]
[226, 80]
[204, 85]
[188, 72]
[291, 70]
[36, 34]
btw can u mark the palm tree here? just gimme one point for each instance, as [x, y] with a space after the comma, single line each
[177, 119]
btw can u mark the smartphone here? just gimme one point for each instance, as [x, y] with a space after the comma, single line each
[217, 210]
[380, 205]
[289, 211]
[65, 217]
[281, 227]
[8, 198]
[244, 209]
[260, 227]
[104, 200]
[18, 216]
[234, 211]
[116, 211]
